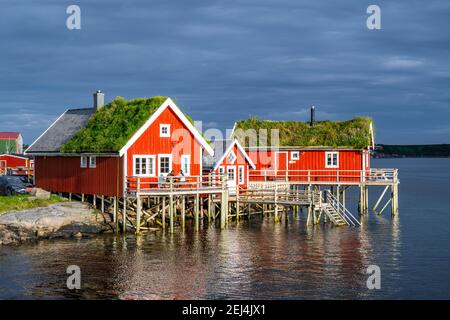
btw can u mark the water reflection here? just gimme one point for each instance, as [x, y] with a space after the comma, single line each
[249, 260]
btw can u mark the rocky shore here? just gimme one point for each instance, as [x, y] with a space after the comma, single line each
[59, 220]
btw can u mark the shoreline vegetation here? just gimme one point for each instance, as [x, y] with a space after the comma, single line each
[24, 202]
[412, 151]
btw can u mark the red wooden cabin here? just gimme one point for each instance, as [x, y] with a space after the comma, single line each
[229, 158]
[167, 141]
[314, 163]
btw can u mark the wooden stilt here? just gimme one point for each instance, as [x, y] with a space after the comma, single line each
[124, 216]
[196, 211]
[183, 211]
[171, 213]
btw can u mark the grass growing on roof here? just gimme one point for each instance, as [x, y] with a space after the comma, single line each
[353, 133]
[109, 129]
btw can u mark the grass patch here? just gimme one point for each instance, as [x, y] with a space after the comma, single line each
[353, 133]
[22, 202]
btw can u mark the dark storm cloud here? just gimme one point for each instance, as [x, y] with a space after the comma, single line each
[226, 60]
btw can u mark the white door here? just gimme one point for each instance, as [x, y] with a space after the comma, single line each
[231, 179]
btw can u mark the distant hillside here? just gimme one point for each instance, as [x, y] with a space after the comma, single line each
[429, 150]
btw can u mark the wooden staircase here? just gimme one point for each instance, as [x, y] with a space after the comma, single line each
[333, 215]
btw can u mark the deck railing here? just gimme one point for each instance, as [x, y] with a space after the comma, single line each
[329, 175]
[140, 184]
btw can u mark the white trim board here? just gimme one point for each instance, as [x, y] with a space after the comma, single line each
[168, 103]
[235, 142]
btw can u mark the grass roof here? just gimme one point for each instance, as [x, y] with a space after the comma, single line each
[353, 133]
[110, 128]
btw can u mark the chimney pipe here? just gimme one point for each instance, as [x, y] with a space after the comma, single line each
[313, 116]
[99, 100]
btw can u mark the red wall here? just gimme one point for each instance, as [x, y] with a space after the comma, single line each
[313, 160]
[14, 162]
[63, 174]
[181, 142]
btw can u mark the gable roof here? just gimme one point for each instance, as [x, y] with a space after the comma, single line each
[110, 130]
[61, 131]
[356, 133]
[9, 135]
[221, 149]
[168, 104]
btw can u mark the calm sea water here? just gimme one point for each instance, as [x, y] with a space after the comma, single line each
[258, 259]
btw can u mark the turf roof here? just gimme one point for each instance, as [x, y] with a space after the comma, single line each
[355, 133]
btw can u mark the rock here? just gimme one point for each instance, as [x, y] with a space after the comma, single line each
[39, 193]
[59, 220]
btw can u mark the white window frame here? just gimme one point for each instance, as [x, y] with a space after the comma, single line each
[144, 156]
[92, 164]
[331, 153]
[83, 162]
[184, 157]
[234, 157]
[295, 155]
[241, 175]
[164, 126]
[159, 163]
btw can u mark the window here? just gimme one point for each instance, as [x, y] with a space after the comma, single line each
[241, 174]
[295, 155]
[164, 130]
[186, 164]
[332, 160]
[221, 170]
[144, 165]
[231, 173]
[231, 157]
[83, 162]
[92, 162]
[165, 164]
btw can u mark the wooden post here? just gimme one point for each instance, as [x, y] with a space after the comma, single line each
[82, 197]
[115, 209]
[94, 201]
[223, 207]
[183, 211]
[164, 213]
[171, 212]
[209, 207]
[276, 218]
[124, 216]
[138, 213]
[103, 203]
[394, 196]
[196, 211]
[70, 196]
[237, 204]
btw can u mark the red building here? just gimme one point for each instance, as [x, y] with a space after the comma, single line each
[229, 158]
[166, 143]
[11, 142]
[15, 164]
[316, 162]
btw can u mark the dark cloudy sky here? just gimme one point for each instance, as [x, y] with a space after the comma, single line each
[225, 60]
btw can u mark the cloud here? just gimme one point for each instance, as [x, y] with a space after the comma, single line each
[226, 60]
